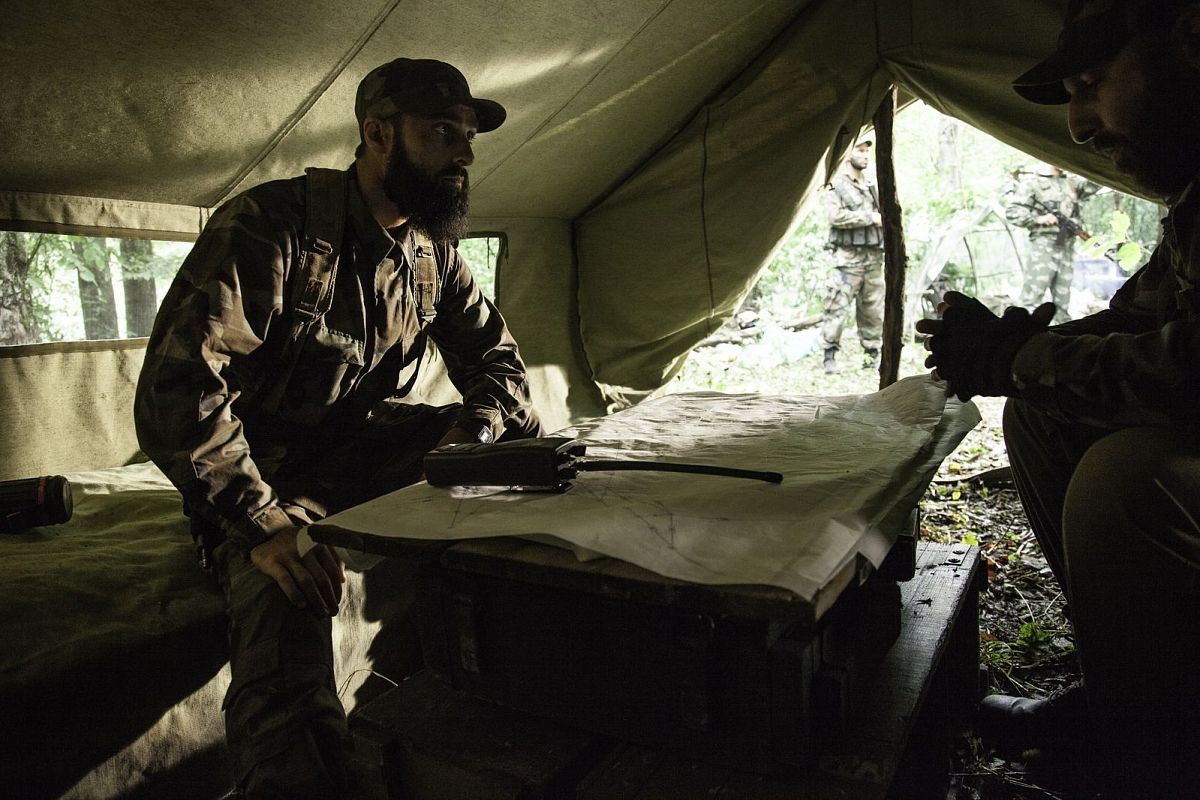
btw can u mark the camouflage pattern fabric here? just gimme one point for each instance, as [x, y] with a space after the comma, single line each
[1137, 362]
[857, 280]
[214, 353]
[339, 437]
[1050, 262]
[1049, 267]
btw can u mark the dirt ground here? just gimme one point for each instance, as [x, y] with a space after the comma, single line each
[1025, 639]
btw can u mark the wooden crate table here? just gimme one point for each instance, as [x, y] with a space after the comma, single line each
[426, 740]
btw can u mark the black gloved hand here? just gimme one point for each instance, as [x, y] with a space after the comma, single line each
[973, 349]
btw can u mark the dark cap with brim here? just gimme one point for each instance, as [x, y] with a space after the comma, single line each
[421, 86]
[1082, 44]
[1094, 31]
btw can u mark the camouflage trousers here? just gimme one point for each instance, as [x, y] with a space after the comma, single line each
[858, 280]
[1116, 515]
[284, 723]
[1049, 268]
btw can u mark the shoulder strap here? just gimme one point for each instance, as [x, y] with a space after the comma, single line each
[425, 276]
[311, 286]
[429, 291]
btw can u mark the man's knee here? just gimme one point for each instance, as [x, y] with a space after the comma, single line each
[1139, 484]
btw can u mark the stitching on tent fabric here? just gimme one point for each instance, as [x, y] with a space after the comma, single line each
[311, 100]
[541, 127]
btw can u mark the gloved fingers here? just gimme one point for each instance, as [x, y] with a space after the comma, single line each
[961, 301]
[1043, 314]
[930, 327]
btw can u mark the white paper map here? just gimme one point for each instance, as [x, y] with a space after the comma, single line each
[854, 467]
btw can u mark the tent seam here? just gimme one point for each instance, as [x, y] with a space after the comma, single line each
[545, 122]
[302, 111]
[704, 217]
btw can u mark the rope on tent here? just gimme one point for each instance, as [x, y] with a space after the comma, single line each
[895, 251]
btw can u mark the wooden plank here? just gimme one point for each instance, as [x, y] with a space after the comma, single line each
[938, 607]
[424, 741]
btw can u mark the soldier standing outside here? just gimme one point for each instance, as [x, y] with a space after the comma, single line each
[272, 393]
[1045, 201]
[856, 238]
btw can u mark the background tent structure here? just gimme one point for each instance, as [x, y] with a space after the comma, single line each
[656, 154]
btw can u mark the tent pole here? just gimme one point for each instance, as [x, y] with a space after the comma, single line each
[894, 249]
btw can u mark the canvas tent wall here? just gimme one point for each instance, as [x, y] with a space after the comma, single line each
[656, 154]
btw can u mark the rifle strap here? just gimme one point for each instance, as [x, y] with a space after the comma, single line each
[312, 285]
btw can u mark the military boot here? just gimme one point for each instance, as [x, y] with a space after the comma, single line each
[871, 359]
[831, 367]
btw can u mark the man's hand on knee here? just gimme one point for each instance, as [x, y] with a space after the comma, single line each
[314, 581]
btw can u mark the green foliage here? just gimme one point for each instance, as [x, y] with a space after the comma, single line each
[481, 254]
[1118, 242]
[56, 269]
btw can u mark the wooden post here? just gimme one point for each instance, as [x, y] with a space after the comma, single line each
[894, 250]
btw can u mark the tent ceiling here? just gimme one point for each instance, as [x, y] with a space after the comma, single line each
[185, 104]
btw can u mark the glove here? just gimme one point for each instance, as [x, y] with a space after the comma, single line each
[973, 349]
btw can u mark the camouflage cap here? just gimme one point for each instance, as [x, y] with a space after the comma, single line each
[1093, 31]
[424, 86]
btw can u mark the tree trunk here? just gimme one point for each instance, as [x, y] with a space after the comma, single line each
[948, 167]
[18, 320]
[141, 303]
[96, 289]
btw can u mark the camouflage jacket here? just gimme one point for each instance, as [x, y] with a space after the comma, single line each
[216, 349]
[1035, 192]
[1138, 361]
[849, 205]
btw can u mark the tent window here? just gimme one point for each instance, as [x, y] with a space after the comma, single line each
[63, 288]
[69, 288]
[482, 254]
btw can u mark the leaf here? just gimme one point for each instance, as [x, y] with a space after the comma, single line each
[1094, 246]
[1129, 255]
[1119, 225]
[970, 540]
[956, 494]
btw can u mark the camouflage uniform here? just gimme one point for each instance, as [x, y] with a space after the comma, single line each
[858, 259]
[1104, 441]
[1050, 262]
[337, 437]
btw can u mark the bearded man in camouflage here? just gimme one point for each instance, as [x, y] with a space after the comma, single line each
[1045, 201]
[1103, 424]
[267, 418]
[856, 238]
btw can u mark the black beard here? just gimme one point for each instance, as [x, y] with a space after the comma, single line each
[439, 208]
[1163, 156]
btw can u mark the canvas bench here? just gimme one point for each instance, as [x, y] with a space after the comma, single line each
[114, 661]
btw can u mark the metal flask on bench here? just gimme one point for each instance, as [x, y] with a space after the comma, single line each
[546, 464]
[33, 502]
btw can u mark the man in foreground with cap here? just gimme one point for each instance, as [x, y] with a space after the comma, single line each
[272, 390]
[856, 239]
[1103, 428]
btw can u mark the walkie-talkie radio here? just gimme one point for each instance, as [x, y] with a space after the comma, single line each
[546, 464]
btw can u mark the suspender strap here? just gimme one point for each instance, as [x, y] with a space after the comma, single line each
[312, 285]
[428, 288]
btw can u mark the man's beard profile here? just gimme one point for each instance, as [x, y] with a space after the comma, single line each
[1163, 156]
[436, 206]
